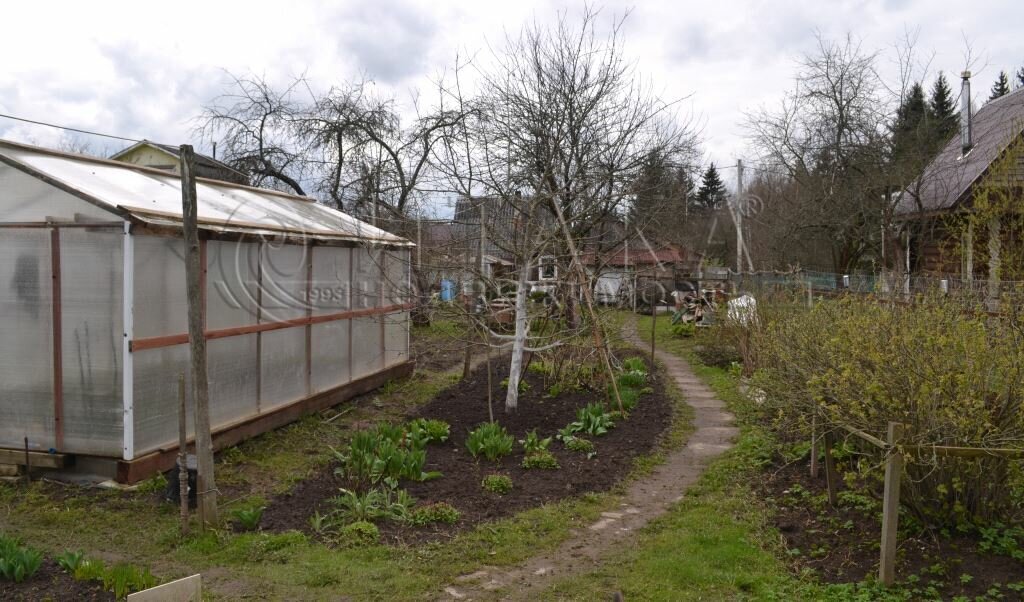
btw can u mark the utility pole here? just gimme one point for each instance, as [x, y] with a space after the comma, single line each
[738, 210]
[205, 482]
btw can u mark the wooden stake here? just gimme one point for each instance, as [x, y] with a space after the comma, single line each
[654, 323]
[588, 296]
[891, 504]
[182, 455]
[28, 465]
[814, 446]
[831, 478]
[207, 484]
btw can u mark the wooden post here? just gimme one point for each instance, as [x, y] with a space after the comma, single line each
[654, 322]
[831, 478]
[205, 481]
[814, 446]
[891, 504]
[182, 455]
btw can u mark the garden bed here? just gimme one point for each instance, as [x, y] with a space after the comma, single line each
[840, 545]
[52, 583]
[464, 407]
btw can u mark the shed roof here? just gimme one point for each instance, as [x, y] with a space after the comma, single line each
[154, 196]
[949, 177]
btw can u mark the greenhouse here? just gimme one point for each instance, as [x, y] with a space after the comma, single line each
[304, 306]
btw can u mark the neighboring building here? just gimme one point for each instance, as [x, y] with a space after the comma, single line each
[640, 263]
[930, 245]
[304, 307]
[165, 157]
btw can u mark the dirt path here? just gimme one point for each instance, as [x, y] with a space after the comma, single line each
[643, 501]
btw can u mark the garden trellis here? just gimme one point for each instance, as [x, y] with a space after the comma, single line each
[304, 307]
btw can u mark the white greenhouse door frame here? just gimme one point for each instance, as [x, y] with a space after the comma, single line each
[128, 324]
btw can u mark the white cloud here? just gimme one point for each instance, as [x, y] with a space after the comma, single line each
[146, 70]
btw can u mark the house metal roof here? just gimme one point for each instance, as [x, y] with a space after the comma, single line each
[154, 196]
[948, 179]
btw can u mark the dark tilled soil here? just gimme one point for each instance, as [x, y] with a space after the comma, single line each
[464, 406]
[847, 540]
[52, 583]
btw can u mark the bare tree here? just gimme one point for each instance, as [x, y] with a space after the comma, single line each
[830, 137]
[559, 135]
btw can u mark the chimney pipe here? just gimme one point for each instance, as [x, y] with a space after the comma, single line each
[966, 119]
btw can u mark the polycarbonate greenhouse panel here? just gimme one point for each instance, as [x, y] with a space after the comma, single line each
[233, 373]
[161, 302]
[28, 199]
[396, 338]
[367, 347]
[396, 280]
[91, 334]
[283, 284]
[329, 293]
[26, 333]
[330, 355]
[282, 367]
[151, 193]
[366, 278]
[232, 272]
[156, 396]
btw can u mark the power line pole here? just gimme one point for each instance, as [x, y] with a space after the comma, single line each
[738, 210]
[205, 482]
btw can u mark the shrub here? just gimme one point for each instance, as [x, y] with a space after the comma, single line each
[490, 439]
[953, 378]
[383, 453]
[497, 483]
[248, 518]
[533, 443]
[634, 364]
[717, 350]
[441, 512]
[631, 380]
[630, 398]
[18, 563]
[429, 430]
[360, 533]
[69, 561]
[123, 579]
[594, 420]
[541, 459]
[684, 330]
[579, 444]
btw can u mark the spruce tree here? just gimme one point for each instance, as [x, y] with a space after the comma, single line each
[941, 112]
[711, 194]
[911, 118]
[1020, 76]
[1001, 87]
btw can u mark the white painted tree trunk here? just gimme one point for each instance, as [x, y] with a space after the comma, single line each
[519, 343]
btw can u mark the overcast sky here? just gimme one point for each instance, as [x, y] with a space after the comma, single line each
[145, 70]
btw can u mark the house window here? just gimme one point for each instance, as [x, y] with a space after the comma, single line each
[547, 269]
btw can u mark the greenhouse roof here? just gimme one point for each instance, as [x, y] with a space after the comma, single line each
[154, 196]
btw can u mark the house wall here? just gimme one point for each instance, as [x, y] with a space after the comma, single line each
[148, 156]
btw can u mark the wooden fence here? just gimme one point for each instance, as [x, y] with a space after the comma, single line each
[895, 451]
